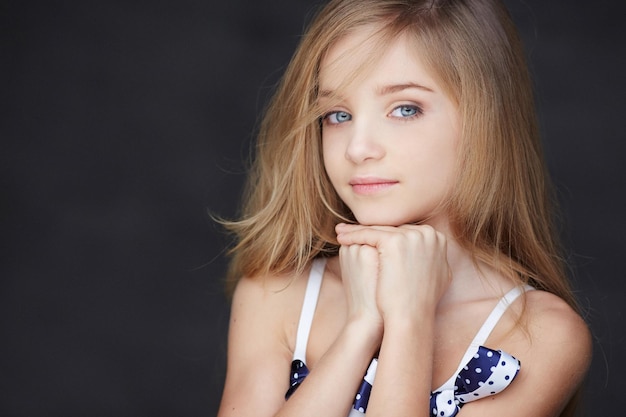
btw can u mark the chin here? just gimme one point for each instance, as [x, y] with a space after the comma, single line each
[399, 218]
[386, 220]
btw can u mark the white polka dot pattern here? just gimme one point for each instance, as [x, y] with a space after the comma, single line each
[487, 373]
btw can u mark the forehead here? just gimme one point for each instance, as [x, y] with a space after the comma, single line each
[367, 54]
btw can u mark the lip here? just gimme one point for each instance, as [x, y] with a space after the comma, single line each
[371, 185]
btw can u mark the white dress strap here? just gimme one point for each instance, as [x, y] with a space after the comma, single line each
[308, 308]
[486, 329]
[498, 311]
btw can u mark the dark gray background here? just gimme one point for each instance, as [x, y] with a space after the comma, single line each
[123, 122]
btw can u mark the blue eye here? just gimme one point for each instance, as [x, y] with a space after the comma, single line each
[406, 111]
[337, 117]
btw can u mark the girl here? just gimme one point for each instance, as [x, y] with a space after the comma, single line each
[395, 254]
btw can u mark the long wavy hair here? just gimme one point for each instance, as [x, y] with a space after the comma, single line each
[501, 206]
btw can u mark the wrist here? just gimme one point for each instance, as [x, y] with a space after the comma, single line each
[367, 329]
[409, 321]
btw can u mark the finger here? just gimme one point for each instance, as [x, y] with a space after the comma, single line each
[386, 239]
[346, 228]
[343, 228]
[362, 236]
[352, 234]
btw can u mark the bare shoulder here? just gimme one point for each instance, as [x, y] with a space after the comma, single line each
[558, 334]
[267, 305]
[553, 344]
[259, 352]
[559, 350]
[553, 323]
[269, 292]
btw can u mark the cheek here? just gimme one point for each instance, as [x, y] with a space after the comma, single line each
[330, 154]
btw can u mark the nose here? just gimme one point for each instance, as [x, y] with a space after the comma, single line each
[364, 144]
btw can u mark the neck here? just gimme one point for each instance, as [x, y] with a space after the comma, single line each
[471, 278]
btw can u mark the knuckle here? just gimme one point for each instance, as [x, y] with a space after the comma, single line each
[397, 241]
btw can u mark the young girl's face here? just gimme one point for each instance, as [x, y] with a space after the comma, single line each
[390, 142]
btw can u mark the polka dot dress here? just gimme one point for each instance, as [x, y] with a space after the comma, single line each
[487, 373]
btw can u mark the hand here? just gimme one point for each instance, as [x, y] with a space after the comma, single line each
[413, 266]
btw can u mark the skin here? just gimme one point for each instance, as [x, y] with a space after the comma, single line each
[409, 290]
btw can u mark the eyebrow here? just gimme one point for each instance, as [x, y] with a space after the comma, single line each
[385, 90]
[394, 88]
[324, 93]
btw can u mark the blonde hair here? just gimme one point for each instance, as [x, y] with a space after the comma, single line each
[500, 208]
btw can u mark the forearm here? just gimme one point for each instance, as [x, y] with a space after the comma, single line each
[330, 388]
[404, 374]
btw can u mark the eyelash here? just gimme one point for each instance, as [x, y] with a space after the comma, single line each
[331, 113]
[418, 112]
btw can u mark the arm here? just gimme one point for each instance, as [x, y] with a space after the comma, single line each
[404, 373]
[259, 359]
[555, 352]
[554, 348]
[413, 275]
